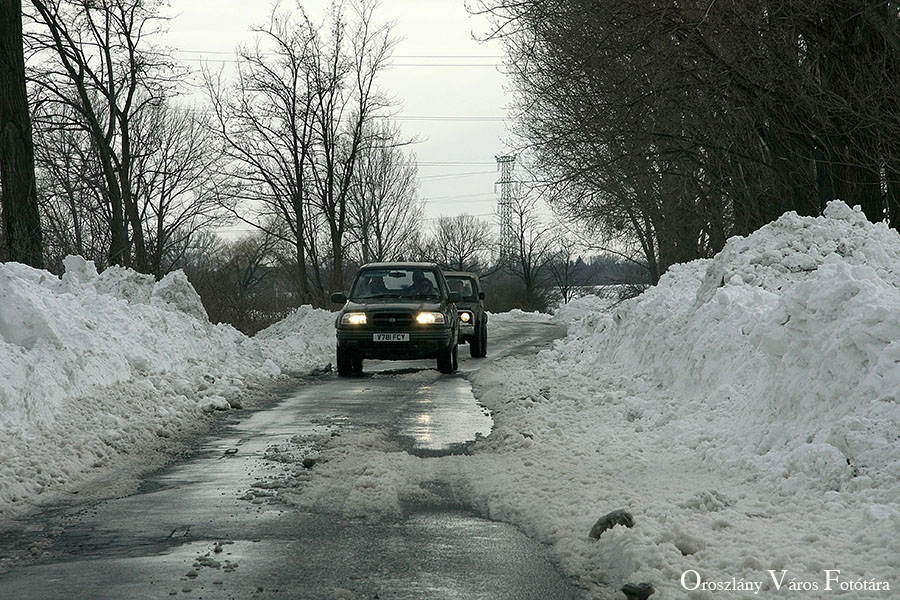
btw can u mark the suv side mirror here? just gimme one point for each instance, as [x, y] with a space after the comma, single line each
[454, 297]
[481, 295]
[338, 298]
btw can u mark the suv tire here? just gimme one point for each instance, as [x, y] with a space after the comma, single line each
[475, 344]
[478, 342]
[344, 363]
[447, 360]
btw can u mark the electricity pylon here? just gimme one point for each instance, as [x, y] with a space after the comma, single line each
[507, 243]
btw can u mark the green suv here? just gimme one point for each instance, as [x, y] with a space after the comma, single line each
[472, 316]
[397, 311]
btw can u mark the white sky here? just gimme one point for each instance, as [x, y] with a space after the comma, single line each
[448, 87]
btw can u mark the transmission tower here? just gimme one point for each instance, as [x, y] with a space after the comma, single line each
[507, 188]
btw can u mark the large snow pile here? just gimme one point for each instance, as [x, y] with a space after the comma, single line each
[94, 366]
[746, 410]
[584, 306]
[787, 343]
[301, 341]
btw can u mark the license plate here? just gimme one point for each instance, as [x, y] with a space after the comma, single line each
[390, 337]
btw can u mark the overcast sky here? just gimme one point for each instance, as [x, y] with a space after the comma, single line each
[449, 87]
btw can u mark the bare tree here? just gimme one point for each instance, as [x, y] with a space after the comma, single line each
[565, 267]
[532, 239]
[678, 125]
[461, 243]
[93, 59]
[347, 100]
[174, 182]
[73, 209]
[21, 220]
[294, 124]
[265, 122]
[230, 277]
[385, 211]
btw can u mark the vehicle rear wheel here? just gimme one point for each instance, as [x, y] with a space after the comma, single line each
[447, 360]
[344, 363]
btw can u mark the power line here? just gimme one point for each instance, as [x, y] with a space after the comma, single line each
[435, 56]
[387, 66]
[452, 118]
[436, 118]
[450, 163]
[457, 175]
[463, 196]
[477, 216]
[478, 201]
[432, 65]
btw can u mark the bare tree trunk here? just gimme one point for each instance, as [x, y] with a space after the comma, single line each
[22, 223]
[135, 221]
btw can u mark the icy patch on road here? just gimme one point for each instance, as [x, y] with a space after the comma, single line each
[354, 474]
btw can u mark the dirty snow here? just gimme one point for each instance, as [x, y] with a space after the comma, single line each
[99, 367]
[745, 411]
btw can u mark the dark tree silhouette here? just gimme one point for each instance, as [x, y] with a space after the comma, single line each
[21, 220]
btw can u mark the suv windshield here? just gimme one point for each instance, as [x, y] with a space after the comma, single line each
[464, 285]
[403, 282]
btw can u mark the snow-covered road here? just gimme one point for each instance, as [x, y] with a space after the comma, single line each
[745, 411]
[231, 521]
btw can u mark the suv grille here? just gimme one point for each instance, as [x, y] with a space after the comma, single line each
[392, 320]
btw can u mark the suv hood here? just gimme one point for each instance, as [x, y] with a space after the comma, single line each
[391, 305]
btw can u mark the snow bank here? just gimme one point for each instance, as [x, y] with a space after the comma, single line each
[582, 307]
[94, 366]
[518, 315]
[785, 348]
[301, 341]
[746, 410]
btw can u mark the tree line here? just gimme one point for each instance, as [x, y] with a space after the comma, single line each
[294, 145]
[668, 127]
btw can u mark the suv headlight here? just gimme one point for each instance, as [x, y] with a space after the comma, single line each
[430, 318]
[353, 318]
[465, 316]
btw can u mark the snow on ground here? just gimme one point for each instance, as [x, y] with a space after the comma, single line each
[99, 367]
[517, 315]
[745, 411]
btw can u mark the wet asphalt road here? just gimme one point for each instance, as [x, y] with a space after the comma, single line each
[191, 532]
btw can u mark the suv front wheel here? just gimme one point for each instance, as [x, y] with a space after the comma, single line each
[478, 342]
[447, 360]
[345, 363]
